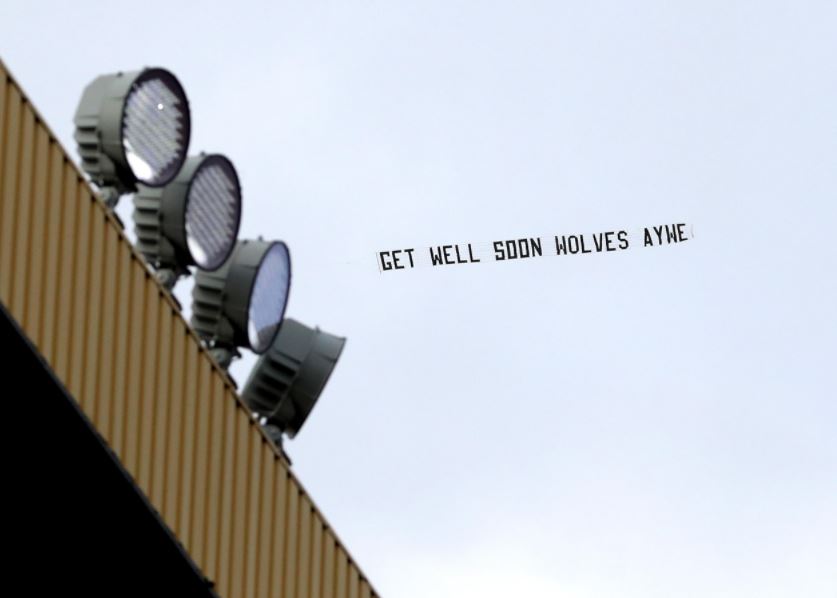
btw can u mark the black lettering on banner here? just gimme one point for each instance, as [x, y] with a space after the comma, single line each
[385, 265]
[471, 254]
[446, 250]
[511, 250]
[570, 244]
[530, 247]
[536, 246]
[659, 233]
[623, 239]
[609, 241]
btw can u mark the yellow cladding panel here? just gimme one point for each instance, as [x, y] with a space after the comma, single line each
[118, 342]
[215, 400]
[329, 563]
[251, 556]
[340, 574]
[315, 574]
[303, 560]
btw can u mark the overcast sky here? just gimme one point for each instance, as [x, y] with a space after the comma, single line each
[648, 423]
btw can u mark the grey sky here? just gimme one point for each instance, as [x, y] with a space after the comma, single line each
[651, 423]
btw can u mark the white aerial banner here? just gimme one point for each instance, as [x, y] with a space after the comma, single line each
[541, 246]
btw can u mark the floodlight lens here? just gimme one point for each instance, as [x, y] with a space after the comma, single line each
[213, 209]
[155, 127]
[270, 294]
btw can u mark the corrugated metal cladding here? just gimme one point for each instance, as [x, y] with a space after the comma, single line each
[120, 345]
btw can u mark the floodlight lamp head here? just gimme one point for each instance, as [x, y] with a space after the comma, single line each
[242, 303]
[132, 128]
[287, 380]
[193, 220]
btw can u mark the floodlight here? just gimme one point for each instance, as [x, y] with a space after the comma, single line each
[242, 303]
[288, 379]
[132, 128]
[193, 220]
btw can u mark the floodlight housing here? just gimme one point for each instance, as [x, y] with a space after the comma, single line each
[194, 220]
[242, 303]
[132, 128]
[287, 380]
